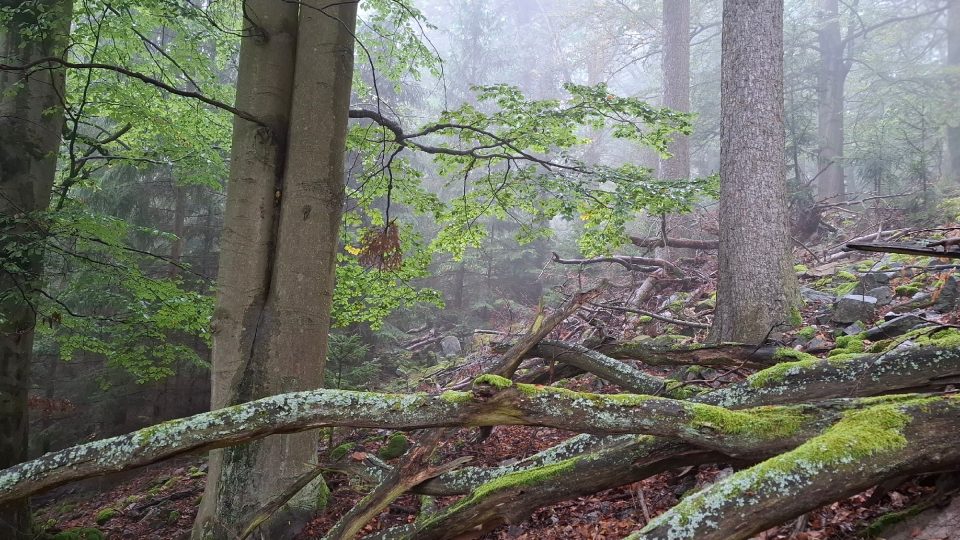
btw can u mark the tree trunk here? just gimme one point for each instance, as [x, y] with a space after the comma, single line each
[282, 342]
[31, 120]
[756, 292]
[953, 62]
[676, 81]
[830, 82]
[264, 87]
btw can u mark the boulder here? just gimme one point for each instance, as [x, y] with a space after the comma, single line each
[949, 296]
[883, 294]
[895, 327]
[854, 307]
[813, 295]
[450, 346]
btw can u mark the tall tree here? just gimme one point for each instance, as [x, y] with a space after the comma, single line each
[676, 81]
[756, 292]
[31, 120]
[278, 256]
[953, 62]
[831, 78]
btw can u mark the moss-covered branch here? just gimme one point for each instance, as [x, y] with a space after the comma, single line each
[494, 401]
[867, 446]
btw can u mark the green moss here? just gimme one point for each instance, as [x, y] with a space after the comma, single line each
[879, 346]
[507, 481]
[759, 422]
[453, 396]
[396, 446]
[847, 345]
[796, 318]
[495, 381]
[777, 373]
[807, 332]
[845, 288]
[106, 515]
[906, 290]
[858, 435]
[323, 494]
[644, 319]
[845, 275]
[341, 451]
[80, 533]
[800, 268]
[173, 516]
[945, 337]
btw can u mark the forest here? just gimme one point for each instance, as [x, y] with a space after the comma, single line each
[479, 269]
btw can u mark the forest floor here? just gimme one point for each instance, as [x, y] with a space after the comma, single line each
[160, 502]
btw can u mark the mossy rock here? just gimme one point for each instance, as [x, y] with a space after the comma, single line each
[106, 515]
[80, 533]
[396, 446]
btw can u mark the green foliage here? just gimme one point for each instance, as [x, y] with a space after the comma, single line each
[347, 366]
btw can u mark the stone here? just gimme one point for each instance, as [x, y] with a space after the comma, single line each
[817, 345]
[872, 280]
[854, 307]
[949, 296]
[853, 329]
[883, 294]
[895, 327]
[813, 295]
[450, 346]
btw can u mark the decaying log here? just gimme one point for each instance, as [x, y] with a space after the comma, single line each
[510, 361]
[862, 450]
[615, 371]
[921, 250]
[686, 243]
[494, 401]
[630, 262]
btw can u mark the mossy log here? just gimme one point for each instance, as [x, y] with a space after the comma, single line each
[494, 401]
[865, 448]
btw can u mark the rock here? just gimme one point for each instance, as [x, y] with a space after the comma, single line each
[854, 307]
[883, 294]
[949, 296]
[817, 345]
[450, 346]
[813, 295]
[854, 329]
[872, 280]
[895, 327]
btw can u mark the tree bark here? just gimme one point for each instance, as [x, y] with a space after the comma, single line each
[676, 82]
[953, 63]
[31, 121]
[264, 85]
[277, 339]
[831, 78]
[756, 293]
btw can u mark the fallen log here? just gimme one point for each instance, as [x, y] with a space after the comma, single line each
[920, 250]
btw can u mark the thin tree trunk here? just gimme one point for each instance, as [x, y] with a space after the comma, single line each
[31, 120]
[676, 81]
[831, 78]
[953, 62]
[756, 293]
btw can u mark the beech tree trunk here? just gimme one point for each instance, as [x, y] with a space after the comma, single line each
[953, 62]
[279, 250]
[756, 293]
[831, 77]
[264, 87]
[31, 120]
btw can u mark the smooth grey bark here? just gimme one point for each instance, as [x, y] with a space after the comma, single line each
[831, 78]
[274, 309]
[264, 87]
[31, 121]
[756, 293]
